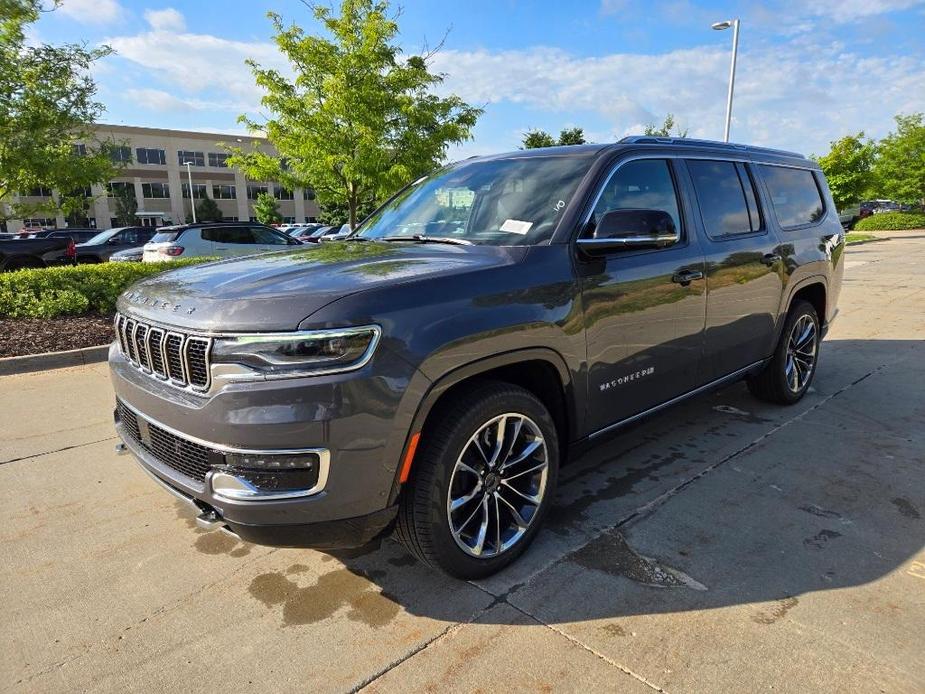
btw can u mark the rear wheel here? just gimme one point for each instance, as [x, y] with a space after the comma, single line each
[788, 375]
[482, 482]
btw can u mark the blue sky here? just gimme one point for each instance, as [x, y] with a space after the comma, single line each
[808, 72]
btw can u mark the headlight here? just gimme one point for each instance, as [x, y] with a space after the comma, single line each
[303, 353]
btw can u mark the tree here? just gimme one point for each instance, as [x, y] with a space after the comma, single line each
[357, 120]
[665, 130]
[899, 168]
[534, 139]
[47, 108]
[266, 209]
[848, 169]
[207, 211]
[126, 205]
[572, 136]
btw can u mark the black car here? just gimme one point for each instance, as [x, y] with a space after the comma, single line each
[77, 235]
[102, 245]
[432, 372]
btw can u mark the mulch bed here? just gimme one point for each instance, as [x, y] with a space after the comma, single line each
[19, 336]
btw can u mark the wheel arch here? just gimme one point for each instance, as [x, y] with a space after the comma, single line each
[540, 370]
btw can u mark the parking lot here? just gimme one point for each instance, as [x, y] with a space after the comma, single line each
[722, 545]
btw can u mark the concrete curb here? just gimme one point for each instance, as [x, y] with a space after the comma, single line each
[53, 360]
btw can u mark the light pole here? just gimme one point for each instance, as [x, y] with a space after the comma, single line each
[192, 200]
[719, 26]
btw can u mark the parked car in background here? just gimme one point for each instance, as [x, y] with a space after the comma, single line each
[77, 234]
[335, 233]
[305, 231]
[129, 255]
[488, 322]
[222, 239]
[19, 254]
[101, 246]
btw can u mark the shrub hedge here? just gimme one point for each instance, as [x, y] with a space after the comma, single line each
[891, 221]
[73, 290]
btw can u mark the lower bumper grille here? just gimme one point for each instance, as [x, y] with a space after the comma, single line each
[184, 456]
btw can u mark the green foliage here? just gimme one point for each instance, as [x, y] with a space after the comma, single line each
[900, 166]
[357, 120]
[126, 205]
[47, 105]
[665, 129]
[266, 209]
[848, 169]
[207, 211]
[73, 290]
[891, 221]
[534, 139]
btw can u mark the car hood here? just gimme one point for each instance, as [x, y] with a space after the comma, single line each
[276, 291]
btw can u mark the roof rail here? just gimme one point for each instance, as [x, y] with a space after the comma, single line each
[690, 142]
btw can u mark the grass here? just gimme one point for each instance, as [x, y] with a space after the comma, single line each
[855, 237]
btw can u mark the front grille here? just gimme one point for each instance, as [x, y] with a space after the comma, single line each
[181, 359]
[184, 456]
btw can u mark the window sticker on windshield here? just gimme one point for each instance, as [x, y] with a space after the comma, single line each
[515, 226]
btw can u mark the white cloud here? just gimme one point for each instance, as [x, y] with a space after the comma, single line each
[92, 11]
[794, 96]
[160, 100]
[167, 19]
[842, 11]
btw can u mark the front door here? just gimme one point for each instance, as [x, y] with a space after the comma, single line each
[744, 266]
[643, 309]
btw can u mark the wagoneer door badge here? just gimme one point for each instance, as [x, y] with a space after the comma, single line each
[622, 380]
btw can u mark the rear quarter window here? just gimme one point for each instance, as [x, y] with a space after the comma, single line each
[795, 195]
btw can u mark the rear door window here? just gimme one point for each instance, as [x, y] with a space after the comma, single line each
[165, 236]
[269, 237]
[794, 195]
[726, 195]
[228, 235]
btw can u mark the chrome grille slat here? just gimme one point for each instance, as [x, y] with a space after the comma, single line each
[184, 360]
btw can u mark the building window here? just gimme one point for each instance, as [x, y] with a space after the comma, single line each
[150, 156]
[83, 192]
[199, 191]
[254, 190]
[39, 222]
[194, 158]
[121, 155]
[113, 222]
[229, 219]
[310, 220]
[253, 219]
[224, 192]
[39, 192]
[219, 160]
[155, 190]
[80, 150]
[281, 193]
[115, 187]
[288, 220]
[308, 194]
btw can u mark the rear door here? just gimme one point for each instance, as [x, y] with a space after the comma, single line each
[743, 264]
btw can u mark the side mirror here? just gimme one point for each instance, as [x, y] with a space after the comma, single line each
[631, 228]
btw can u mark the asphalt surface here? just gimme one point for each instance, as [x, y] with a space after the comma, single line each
[725, 545]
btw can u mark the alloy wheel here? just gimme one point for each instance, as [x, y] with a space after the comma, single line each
[497, 485]
[801, 353]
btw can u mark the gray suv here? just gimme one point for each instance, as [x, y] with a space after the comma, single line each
[430, 374]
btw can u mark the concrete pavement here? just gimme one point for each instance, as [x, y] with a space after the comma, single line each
[723, 545]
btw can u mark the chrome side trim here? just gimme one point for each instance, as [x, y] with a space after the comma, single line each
[236, 489]
[668, 403]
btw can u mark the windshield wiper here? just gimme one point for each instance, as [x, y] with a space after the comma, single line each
[423, 238]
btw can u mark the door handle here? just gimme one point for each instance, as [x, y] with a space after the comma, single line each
[770, 258]
[685, 277]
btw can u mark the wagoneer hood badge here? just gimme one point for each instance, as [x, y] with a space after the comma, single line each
[141, 299]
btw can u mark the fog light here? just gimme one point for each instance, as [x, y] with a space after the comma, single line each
[260, 476]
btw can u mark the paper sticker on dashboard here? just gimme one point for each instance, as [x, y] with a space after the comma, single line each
[515, 226]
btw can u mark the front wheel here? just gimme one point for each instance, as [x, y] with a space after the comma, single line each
[482, 482]
[788, 375]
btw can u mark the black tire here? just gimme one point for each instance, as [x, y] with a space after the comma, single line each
[423, 524]
[771, 383]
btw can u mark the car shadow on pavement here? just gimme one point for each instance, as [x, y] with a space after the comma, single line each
[718, 502]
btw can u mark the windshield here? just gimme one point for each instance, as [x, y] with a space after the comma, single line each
[102, 237]
[162, 236]
[501, 202]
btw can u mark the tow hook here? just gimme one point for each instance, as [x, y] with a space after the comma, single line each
[209, 520]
